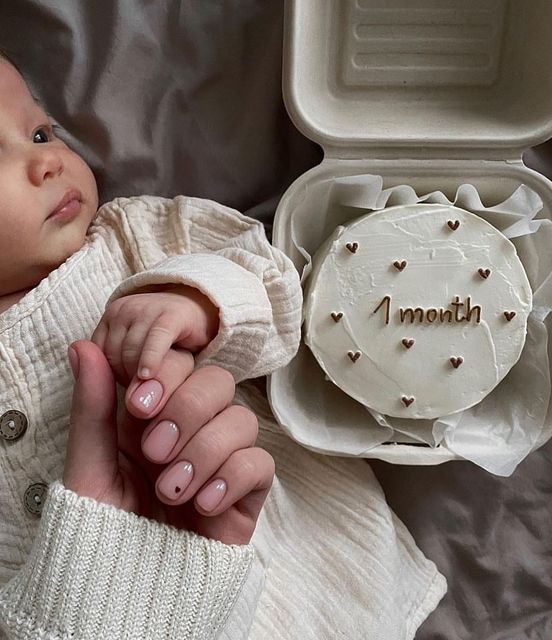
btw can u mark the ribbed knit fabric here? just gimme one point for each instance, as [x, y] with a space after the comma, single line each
[98, 572]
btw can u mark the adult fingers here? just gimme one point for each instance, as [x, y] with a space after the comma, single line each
[238, 493]
[150, 397]
[248, 476]
[145, 399]
[234, 429]
[204, 394]
[91, 459]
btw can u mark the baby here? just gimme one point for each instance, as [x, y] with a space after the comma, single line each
[149, 532]
[182, 276]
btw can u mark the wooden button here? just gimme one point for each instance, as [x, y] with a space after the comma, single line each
[13, 425]
[35, 496]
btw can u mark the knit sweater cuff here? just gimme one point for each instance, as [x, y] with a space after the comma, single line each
[96, 571]
[245, 311]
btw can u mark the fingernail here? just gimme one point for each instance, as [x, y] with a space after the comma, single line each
[147, 395]
[161, 440]
[74, 362]
[211, 496]
[177, 478]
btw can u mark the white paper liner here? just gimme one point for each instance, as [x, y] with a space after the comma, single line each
[497, 433]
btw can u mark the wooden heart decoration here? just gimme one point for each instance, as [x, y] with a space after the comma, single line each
[509, 315]
[399, 265]
[484, 273]
[337, 316]
[456, 362]
[354, 355]
[407, 401]
[407, 342]
[453, 225]
[352, 246]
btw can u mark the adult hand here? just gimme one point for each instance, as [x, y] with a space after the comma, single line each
[214, 447]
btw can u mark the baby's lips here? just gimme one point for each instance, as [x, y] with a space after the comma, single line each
[70, 194]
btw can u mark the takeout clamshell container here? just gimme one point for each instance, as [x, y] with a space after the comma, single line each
[428, 93]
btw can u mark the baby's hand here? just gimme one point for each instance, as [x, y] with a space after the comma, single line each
[136, 331]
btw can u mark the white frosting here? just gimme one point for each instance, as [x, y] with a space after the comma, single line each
[441, 263]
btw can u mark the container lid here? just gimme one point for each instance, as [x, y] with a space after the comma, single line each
[441, 75]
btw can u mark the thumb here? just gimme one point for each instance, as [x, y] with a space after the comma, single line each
[92, 454]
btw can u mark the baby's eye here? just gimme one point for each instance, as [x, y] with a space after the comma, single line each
[41, 135]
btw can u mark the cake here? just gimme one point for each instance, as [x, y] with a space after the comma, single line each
[417, 311]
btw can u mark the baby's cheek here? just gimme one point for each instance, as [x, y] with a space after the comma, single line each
[85, 180]
[90, 192]
[16, 231]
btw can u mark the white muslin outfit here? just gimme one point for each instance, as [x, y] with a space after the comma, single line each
[328, 558]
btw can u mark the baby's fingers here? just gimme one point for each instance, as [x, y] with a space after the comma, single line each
[162, 334]
[100, 334]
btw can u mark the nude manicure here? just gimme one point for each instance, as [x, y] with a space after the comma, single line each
[160, 442]
[176, 480]
[147, 395]
[211, 496]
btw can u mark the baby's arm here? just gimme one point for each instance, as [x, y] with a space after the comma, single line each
[227, 257]
[137, 331]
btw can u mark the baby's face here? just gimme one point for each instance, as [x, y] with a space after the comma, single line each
[36, 171]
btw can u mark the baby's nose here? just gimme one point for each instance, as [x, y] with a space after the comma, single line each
[44, 164]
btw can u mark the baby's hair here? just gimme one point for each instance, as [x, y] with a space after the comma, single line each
[8, 56]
